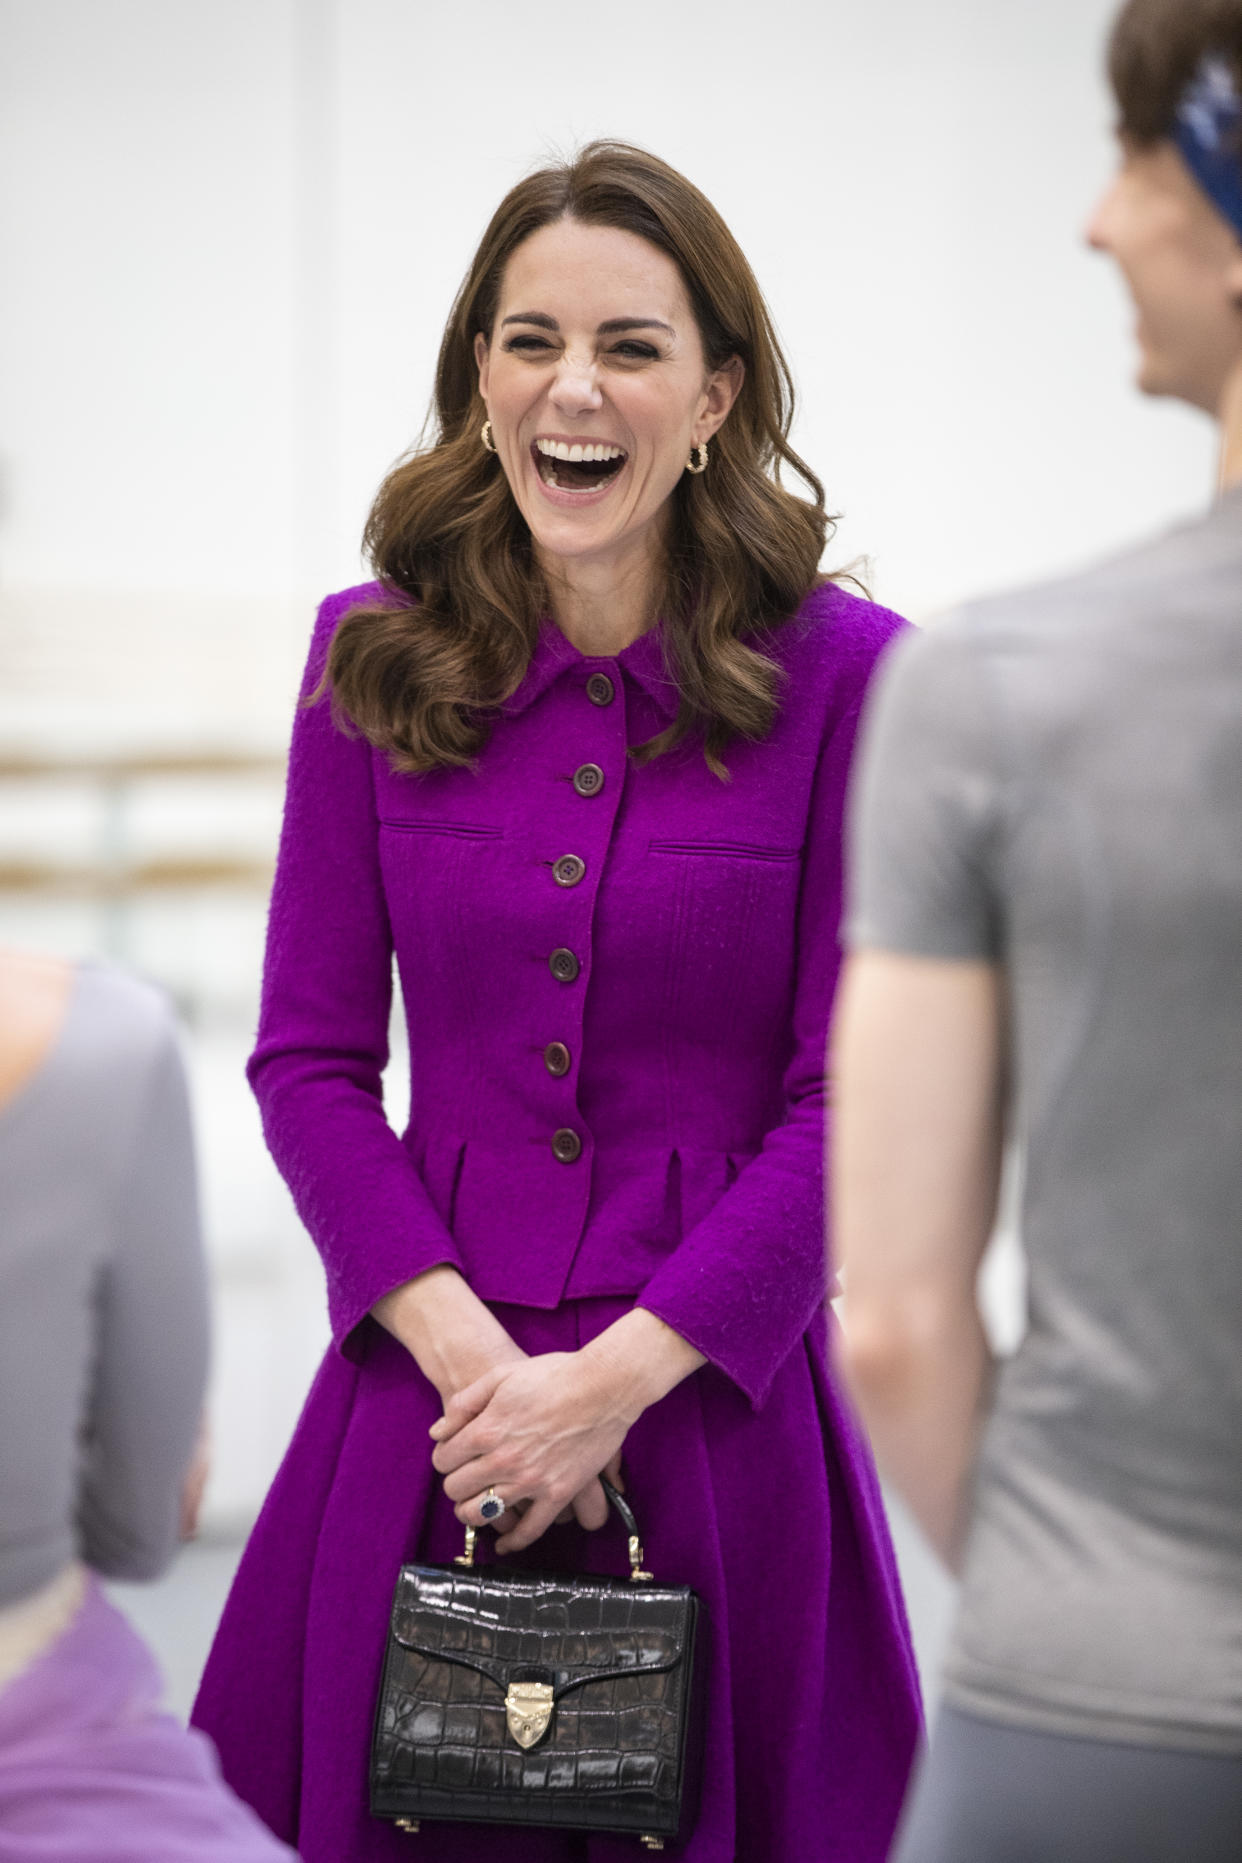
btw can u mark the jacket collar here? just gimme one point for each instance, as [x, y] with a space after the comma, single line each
[554, 656]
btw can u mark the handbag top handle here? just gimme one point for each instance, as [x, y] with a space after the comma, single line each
[618, 1500]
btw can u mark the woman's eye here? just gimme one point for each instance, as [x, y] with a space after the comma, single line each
[527, 343]
[636, 352]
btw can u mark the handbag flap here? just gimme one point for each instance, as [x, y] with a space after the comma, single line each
[574, 1629]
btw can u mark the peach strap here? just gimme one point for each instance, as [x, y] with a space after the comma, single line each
[32, 1624]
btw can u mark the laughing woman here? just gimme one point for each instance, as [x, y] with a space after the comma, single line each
[581, 771]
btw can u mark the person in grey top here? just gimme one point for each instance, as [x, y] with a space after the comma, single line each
[1046, 936]
[103, 1356]
[103, 1299]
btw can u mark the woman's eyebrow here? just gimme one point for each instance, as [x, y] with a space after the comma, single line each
[614, 324]
[542, 321]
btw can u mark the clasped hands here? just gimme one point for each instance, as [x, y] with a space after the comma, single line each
[539, 1431]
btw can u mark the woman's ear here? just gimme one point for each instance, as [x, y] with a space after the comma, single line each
[724, 386]
[482, 357]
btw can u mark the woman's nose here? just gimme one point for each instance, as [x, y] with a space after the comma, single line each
[576, 388]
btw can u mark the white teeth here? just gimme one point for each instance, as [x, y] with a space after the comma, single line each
[560, 449]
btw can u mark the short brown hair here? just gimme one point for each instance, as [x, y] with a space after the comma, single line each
[1156, 48]
[420, 675]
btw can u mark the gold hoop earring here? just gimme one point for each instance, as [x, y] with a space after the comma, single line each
[485, 435]
[701, 453]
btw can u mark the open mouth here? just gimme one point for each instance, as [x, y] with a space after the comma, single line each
[577, 466]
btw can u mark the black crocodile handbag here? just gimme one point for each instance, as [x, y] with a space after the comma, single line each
[533, 1698]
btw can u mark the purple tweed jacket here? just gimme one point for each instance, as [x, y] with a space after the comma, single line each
[617, 982]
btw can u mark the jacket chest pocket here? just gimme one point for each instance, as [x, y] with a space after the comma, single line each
[726, 850]
[732, 909]
[459, 831]
[447, 884]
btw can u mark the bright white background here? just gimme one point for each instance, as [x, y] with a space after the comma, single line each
[230, 234]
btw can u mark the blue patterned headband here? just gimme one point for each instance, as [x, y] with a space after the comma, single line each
[1206, 131]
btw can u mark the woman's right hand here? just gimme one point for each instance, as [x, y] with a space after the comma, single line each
[454, 1339]
[450, 1334]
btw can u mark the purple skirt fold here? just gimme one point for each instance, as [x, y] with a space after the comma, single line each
[774, 1518]
[91, 1770]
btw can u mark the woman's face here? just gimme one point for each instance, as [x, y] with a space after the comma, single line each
[597, 388]
[1183, 266]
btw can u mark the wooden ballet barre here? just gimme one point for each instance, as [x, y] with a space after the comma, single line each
[133, 766]
[107, 880]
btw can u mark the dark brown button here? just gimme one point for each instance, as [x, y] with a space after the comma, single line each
[599, 689]
[556, 1058]
[564, 965]
[568, 870]
[589, 780]
[566, 1145]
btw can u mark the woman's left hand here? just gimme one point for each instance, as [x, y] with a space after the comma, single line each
[537, 1431]
[540, 1431]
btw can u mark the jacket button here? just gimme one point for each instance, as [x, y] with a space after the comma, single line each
[589, 780]
[568, 870]
[556, 1058]
[564, 965]
[566, 1145]
[599, 689]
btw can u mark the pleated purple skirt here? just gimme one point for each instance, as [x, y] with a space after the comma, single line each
[774, 1517]
[91, 1771]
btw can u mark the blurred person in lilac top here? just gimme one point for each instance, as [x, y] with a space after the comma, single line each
[103, 1361]
[576, 759]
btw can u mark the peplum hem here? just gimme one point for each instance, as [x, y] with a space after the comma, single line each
[637, 1207]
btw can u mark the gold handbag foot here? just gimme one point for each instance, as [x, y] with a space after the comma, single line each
[652, 1843]
[406, 1824]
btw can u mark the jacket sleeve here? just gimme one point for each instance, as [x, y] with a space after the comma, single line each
[323, 1027]
[745, 1283]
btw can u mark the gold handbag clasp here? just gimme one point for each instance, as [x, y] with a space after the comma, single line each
[466, 1558]
[637, 1575]
[528, 1709]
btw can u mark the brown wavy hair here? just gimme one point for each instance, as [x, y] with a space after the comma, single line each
[419, 674]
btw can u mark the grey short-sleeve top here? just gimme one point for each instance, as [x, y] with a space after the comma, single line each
[103, 1307]
[1053, 781]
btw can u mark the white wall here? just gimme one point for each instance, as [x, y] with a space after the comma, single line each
[909, 181]
[147, 237]
[230, 234]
